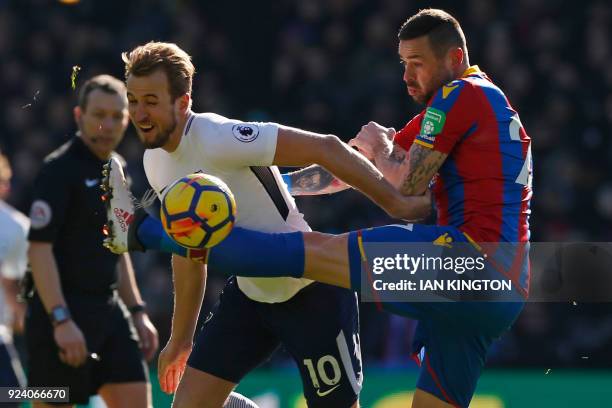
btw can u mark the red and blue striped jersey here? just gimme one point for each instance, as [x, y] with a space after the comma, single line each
[484, 186]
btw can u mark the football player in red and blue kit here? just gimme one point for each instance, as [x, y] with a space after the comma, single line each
[470, 141]
[470, 146]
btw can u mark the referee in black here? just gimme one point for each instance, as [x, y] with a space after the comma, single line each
[79, 333]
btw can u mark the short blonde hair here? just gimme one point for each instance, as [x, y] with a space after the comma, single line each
[176, 63]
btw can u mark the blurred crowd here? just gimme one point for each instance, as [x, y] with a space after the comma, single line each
[331, 66]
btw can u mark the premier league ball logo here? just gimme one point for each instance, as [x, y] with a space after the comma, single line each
[245, 132]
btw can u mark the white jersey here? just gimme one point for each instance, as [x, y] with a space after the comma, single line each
[240, 154]
[14, 228]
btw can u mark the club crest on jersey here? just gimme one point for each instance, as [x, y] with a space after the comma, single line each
[245, 132]
[432, 124]
[40, 214]
[450, 87]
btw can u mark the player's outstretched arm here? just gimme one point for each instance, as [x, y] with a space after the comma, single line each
[409, 171]
[300, 148]
[375, 142]
[313, 180]
[394, 166]
[189, 284]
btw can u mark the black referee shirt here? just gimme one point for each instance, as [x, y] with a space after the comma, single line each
[68, 212]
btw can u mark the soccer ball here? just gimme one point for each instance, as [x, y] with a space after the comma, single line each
[198, 211]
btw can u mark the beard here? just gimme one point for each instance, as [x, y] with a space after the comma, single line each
[442, 77]
[161, 138]
[422, 99]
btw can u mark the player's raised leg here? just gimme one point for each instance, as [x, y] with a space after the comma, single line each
[326, 258]
[314, 255]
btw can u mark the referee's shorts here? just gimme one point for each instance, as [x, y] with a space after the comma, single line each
[108, 333]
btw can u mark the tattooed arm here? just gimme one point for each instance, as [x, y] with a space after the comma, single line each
[394, 166]
[313, 180]
[423, 164]
[295, 147]
[410, 171]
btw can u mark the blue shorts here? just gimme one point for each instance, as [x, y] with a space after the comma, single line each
[319, 328]
[452, 338]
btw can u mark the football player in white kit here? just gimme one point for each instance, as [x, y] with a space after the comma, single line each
[254, 315]
[14, 228]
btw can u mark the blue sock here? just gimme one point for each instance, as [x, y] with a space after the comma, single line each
[243, 253]
[259, 254]
[151, 235]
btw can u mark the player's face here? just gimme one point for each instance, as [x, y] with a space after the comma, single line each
[424, 71]
[151, 108]
[103, 121]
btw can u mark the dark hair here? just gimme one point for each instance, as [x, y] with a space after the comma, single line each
[442, 30]
[106, 83]
[176, 63]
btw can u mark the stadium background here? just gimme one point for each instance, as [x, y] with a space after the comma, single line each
[331, 66]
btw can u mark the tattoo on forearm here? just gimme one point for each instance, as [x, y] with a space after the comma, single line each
[398, 156]
[312, 179]
[423, 164]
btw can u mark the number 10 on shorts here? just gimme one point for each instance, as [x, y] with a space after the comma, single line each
[321, 370]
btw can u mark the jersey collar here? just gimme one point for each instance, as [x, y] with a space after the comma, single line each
[474, 69]
[190, 118]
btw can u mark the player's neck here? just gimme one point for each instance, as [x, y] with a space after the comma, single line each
[175, 137]
[462, 68]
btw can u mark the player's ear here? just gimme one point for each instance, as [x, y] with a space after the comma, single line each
[184, 102]
[456, 57]
[181, 105]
